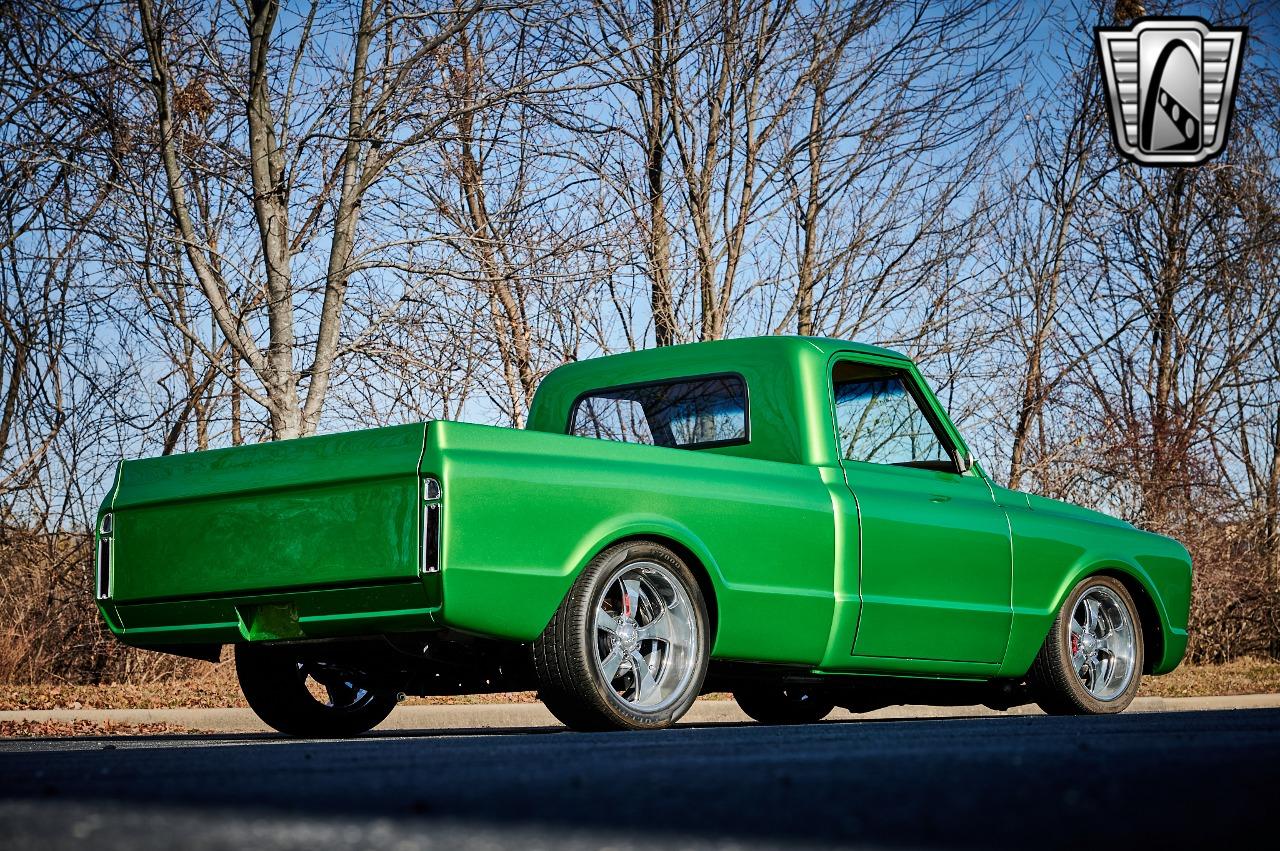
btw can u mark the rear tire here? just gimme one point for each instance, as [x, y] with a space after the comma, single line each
[1091, 661]
[301, 696]
[628, 648]
[781, 705]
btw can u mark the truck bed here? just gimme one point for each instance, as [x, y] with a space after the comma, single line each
[325, 536]
[226, 539]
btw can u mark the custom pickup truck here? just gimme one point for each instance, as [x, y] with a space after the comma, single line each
[795, 520]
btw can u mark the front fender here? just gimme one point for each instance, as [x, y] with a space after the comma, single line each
[1053, 554]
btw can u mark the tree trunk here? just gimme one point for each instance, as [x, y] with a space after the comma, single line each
[659, 243]
[507, 311]
[1165, 452]
[271, 209]
[809, 215]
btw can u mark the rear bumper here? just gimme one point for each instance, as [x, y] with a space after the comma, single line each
[316, 613]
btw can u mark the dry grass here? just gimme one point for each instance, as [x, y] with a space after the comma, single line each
[82, 728]
[217, 691]
[1240, 676]
[50, 629]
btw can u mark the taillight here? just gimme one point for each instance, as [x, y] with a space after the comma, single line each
[103, 574]
[431, 496]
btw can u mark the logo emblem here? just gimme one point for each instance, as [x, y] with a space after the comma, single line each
[1171, 83]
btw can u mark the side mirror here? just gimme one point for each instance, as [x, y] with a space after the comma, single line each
[964, 461]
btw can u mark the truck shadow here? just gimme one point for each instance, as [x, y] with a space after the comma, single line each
[982, 782]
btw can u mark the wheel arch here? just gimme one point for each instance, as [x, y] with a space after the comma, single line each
[688, 546]
[1036, 610]
[1149, 618]
[1150, 613]
[540, 586]
[696, 566]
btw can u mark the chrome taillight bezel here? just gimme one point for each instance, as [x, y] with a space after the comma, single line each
[429, 558]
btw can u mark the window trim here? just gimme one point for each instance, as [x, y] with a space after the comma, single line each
[904, 375]
[658, 382]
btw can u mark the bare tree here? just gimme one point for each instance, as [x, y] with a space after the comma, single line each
[371, 119]
[54, 127]
[1054, 204]
[635, 51]
[873, 211]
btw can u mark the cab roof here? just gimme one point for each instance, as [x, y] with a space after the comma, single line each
[785, 378]
[709, 357]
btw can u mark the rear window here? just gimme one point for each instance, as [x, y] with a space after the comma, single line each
[692, 413]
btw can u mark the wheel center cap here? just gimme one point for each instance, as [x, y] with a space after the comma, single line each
[627, 635]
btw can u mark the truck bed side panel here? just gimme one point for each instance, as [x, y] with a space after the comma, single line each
[525, 511]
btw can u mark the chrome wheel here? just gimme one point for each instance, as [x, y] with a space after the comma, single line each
[646, 637]
[333, 687]
[1102, 643]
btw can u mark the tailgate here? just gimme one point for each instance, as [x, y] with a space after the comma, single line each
[339, 509]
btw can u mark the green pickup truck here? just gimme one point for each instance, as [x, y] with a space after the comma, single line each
[794, 520]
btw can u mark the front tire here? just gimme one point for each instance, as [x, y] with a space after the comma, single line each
[779, 705]
[1091, 661]
[628, 648]
[306, 697]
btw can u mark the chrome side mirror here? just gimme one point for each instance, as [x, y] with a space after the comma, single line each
[964, 461]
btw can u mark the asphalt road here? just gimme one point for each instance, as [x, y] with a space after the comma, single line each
[1157, 779]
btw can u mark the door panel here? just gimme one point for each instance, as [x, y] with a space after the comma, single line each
[936, 568]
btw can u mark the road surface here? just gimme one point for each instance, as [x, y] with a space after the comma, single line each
[1141, 780]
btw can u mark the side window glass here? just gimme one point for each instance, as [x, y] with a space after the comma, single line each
[878, 421]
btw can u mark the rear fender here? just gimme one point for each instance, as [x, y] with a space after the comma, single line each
[542, 593]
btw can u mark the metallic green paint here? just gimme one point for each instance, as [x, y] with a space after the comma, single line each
[1055, 545]
[936, 566]
[845, 567]
[317, 613]
[525, 511]
[272, 516]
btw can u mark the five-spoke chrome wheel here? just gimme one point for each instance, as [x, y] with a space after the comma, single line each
[1102, 643]
[629, 646]
[645, 635]
[1092, 659]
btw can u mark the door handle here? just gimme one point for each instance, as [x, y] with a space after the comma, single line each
[937, 497]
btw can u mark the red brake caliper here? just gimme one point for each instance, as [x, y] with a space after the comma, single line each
[1075, 644]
